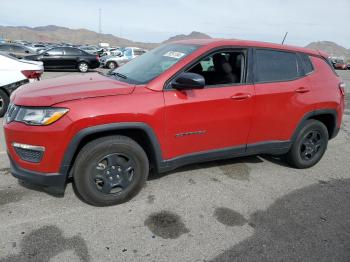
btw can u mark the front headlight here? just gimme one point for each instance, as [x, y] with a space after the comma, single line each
[39, 116]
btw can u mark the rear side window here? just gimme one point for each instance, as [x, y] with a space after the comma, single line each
[55, 51]
[72, 51]
[274, 66]
[5, 47]
[308, 67]
[18, 49]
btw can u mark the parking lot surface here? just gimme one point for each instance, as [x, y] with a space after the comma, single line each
[246, 209]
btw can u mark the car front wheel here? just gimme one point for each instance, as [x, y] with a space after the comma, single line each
[83, 67]
[309, 146]
[110, 170]
[4, 102]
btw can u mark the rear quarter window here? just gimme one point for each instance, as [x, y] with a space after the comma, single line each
[274, 66]
[307, 64]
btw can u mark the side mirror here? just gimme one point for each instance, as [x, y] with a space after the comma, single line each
[188, 81]
[46, 54]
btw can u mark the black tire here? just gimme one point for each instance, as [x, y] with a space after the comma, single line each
[112, 65]
[83, 67]
[309, 146]
[93, 164]
[4, 102]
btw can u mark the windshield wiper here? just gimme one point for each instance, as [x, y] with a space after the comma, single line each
[118, 74]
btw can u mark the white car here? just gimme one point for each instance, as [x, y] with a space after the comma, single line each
[14, 73]
[128, 53]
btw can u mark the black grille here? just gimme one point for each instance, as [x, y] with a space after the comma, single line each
[29, 155]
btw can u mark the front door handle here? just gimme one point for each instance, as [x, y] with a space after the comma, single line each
[302, 90]
[241, 96]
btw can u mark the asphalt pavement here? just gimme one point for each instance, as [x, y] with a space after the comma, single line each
[246, 209]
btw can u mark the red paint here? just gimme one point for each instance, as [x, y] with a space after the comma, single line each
[223, 116]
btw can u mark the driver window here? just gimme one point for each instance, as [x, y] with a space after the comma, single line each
[222, 68]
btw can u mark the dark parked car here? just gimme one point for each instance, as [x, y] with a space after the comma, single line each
[18, 50]
[67, 58]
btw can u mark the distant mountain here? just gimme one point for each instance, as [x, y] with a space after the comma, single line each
[57, 34]
[193, 35]
[331, 48]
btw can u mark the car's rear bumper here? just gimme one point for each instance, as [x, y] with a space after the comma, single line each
[54, 181]
[94, 64]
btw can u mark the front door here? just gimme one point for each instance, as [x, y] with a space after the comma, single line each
[215, 117]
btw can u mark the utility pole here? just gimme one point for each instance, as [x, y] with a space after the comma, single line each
[99, 22]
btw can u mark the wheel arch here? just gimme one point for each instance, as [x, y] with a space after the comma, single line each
[329, 117]
[112, 61]
[83, 61]
[142, 133]
[2, 88]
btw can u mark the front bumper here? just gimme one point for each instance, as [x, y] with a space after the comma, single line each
[55, 182]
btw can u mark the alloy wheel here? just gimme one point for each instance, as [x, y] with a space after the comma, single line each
[83, 67]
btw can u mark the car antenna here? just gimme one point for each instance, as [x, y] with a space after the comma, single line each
[284, 38]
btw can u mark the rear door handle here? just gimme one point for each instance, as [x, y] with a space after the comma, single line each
[302, 90]
[241, 96]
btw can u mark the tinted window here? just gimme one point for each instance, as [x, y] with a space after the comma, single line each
[308, 67]
[18, 49]
[72, 51]
[128, 52]
[271, 66]
[55, 51]
[5, 47]
[222, 68]
[139, 52]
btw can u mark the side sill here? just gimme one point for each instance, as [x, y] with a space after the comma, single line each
[273, 148]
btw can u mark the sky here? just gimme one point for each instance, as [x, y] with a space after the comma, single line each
[156, 20]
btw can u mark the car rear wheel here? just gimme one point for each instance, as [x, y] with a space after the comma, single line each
[112, 65]
[110, 170]
[4, 102]
[83, 67]
[309, 145]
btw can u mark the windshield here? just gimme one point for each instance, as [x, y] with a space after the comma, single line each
[148, 66]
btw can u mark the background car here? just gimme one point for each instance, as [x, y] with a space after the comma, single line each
[89, 49]
[18, 50]
[339, 64]
[14, 73]
[39, 47]
[127, 54]
[67, 58]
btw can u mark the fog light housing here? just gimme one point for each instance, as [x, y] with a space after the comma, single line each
[29, 153]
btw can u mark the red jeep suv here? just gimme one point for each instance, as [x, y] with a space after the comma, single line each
[181, 103]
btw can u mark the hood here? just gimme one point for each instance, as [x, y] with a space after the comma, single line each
[56, 90]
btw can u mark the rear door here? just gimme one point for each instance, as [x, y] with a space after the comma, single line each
[71, 56]
[215, 117]
[53, 58]
[282, 95]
